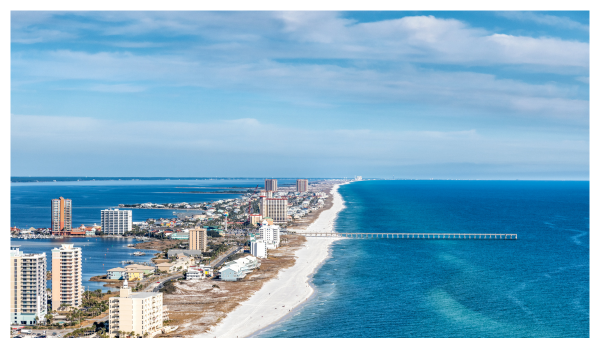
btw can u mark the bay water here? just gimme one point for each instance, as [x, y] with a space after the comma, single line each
[30, 207]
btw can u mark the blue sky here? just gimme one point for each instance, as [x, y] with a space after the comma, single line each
[480, 95]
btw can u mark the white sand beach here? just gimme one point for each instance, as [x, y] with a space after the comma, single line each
[279, 296]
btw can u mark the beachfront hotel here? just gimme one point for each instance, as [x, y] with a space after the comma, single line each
[61, 216]
[270, 235]
[115, 221]
[198, 239]
[140, 312]
[276, 208]
[271, 184]
[66, 276]
[28, 297]
[302, 185]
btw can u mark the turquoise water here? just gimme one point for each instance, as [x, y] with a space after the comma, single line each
[536, 286]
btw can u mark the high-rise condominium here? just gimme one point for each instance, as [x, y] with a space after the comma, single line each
[301, 185]
[271, 184]
[276, 208]
[198, 239]
[61, 215]
[270, 235]
[66, 276]
[115, 221]
[28, 297]
[140, 312]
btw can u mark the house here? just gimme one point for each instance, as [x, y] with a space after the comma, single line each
[238, 269]
[116, 273]
[145, 268]
[180, 235]
[135, 274]
[164, 267]
[198, 272]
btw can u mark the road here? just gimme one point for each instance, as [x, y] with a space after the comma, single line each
[222, 259]
[154, 287]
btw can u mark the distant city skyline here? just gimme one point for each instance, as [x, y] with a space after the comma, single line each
[443, 95]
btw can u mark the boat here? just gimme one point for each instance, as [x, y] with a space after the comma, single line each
[138, 253]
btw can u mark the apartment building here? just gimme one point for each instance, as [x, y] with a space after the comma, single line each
[66, 276]
[115, 221]
[140, 312]
[61, 215]
[275, 208]
[28, 297]
[271, 184]
[270, 235]
[198, 239]
[258, 248]
[255, 219]
[302, 185]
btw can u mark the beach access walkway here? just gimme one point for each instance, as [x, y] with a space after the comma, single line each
[396, 235]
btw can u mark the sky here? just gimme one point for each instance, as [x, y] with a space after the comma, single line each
[445, 95]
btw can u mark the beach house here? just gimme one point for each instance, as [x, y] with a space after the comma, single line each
[116, 273]
[164, 267]
[238, 269]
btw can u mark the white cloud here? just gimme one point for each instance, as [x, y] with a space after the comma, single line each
[545, 19]
[318, 85]
[147, 141]
[271, 35]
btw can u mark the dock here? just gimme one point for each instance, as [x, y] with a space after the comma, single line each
[397, 235]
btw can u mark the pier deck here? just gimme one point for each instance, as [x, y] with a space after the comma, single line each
[408, 235]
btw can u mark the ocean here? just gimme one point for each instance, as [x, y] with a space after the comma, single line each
[536, 286]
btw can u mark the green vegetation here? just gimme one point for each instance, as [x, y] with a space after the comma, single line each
[217, 250]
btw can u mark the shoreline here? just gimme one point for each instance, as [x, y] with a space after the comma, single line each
[268, 306]
[296, 309]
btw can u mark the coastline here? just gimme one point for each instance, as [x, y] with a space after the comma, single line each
[281, 296]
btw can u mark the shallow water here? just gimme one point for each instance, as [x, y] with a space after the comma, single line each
[536, 286]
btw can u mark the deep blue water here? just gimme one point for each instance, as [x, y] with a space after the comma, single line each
[30, 202]
[536, 286]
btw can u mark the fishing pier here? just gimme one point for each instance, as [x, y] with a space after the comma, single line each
[409, 235]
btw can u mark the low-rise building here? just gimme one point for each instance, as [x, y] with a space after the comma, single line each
[116, 273]
[164, 267]
[199, 272]
[193, 253]
[238, 269]
[180, 236]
